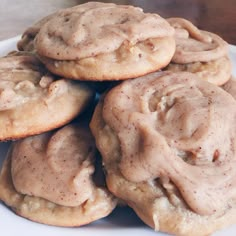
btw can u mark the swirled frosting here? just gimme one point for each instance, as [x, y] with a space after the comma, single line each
[56, 166]
[174, 126]
[194, 45]
[96, 28]
[24, 79]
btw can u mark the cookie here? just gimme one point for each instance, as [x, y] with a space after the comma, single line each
[104, 41]
[33, 101]
[200, 52]
[48, 178]
[169, 151]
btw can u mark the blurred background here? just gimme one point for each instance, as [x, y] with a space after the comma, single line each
[212, 15]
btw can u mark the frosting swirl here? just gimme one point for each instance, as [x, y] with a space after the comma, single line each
[96, 28]
[194, 45]
[60, 168]
[173, 125]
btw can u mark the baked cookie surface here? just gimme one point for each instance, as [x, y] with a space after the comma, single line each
[33, 101]
[48, 178]
[161, 138]
[105, 41]
[200, 52]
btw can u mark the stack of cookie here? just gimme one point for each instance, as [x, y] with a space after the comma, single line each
[167, 147]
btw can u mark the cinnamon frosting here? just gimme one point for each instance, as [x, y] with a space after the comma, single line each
[194, 45]
[96, 28]
[57, 167]
[173, 126]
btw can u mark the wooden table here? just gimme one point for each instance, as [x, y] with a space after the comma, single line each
[213, 15]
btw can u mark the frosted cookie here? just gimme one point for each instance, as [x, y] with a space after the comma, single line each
[48, 178]
[230, 87]
[33, 101]
[105, 41]
[169, 151]
[200, 52]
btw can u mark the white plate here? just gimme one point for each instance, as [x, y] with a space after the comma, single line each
[121, 221]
